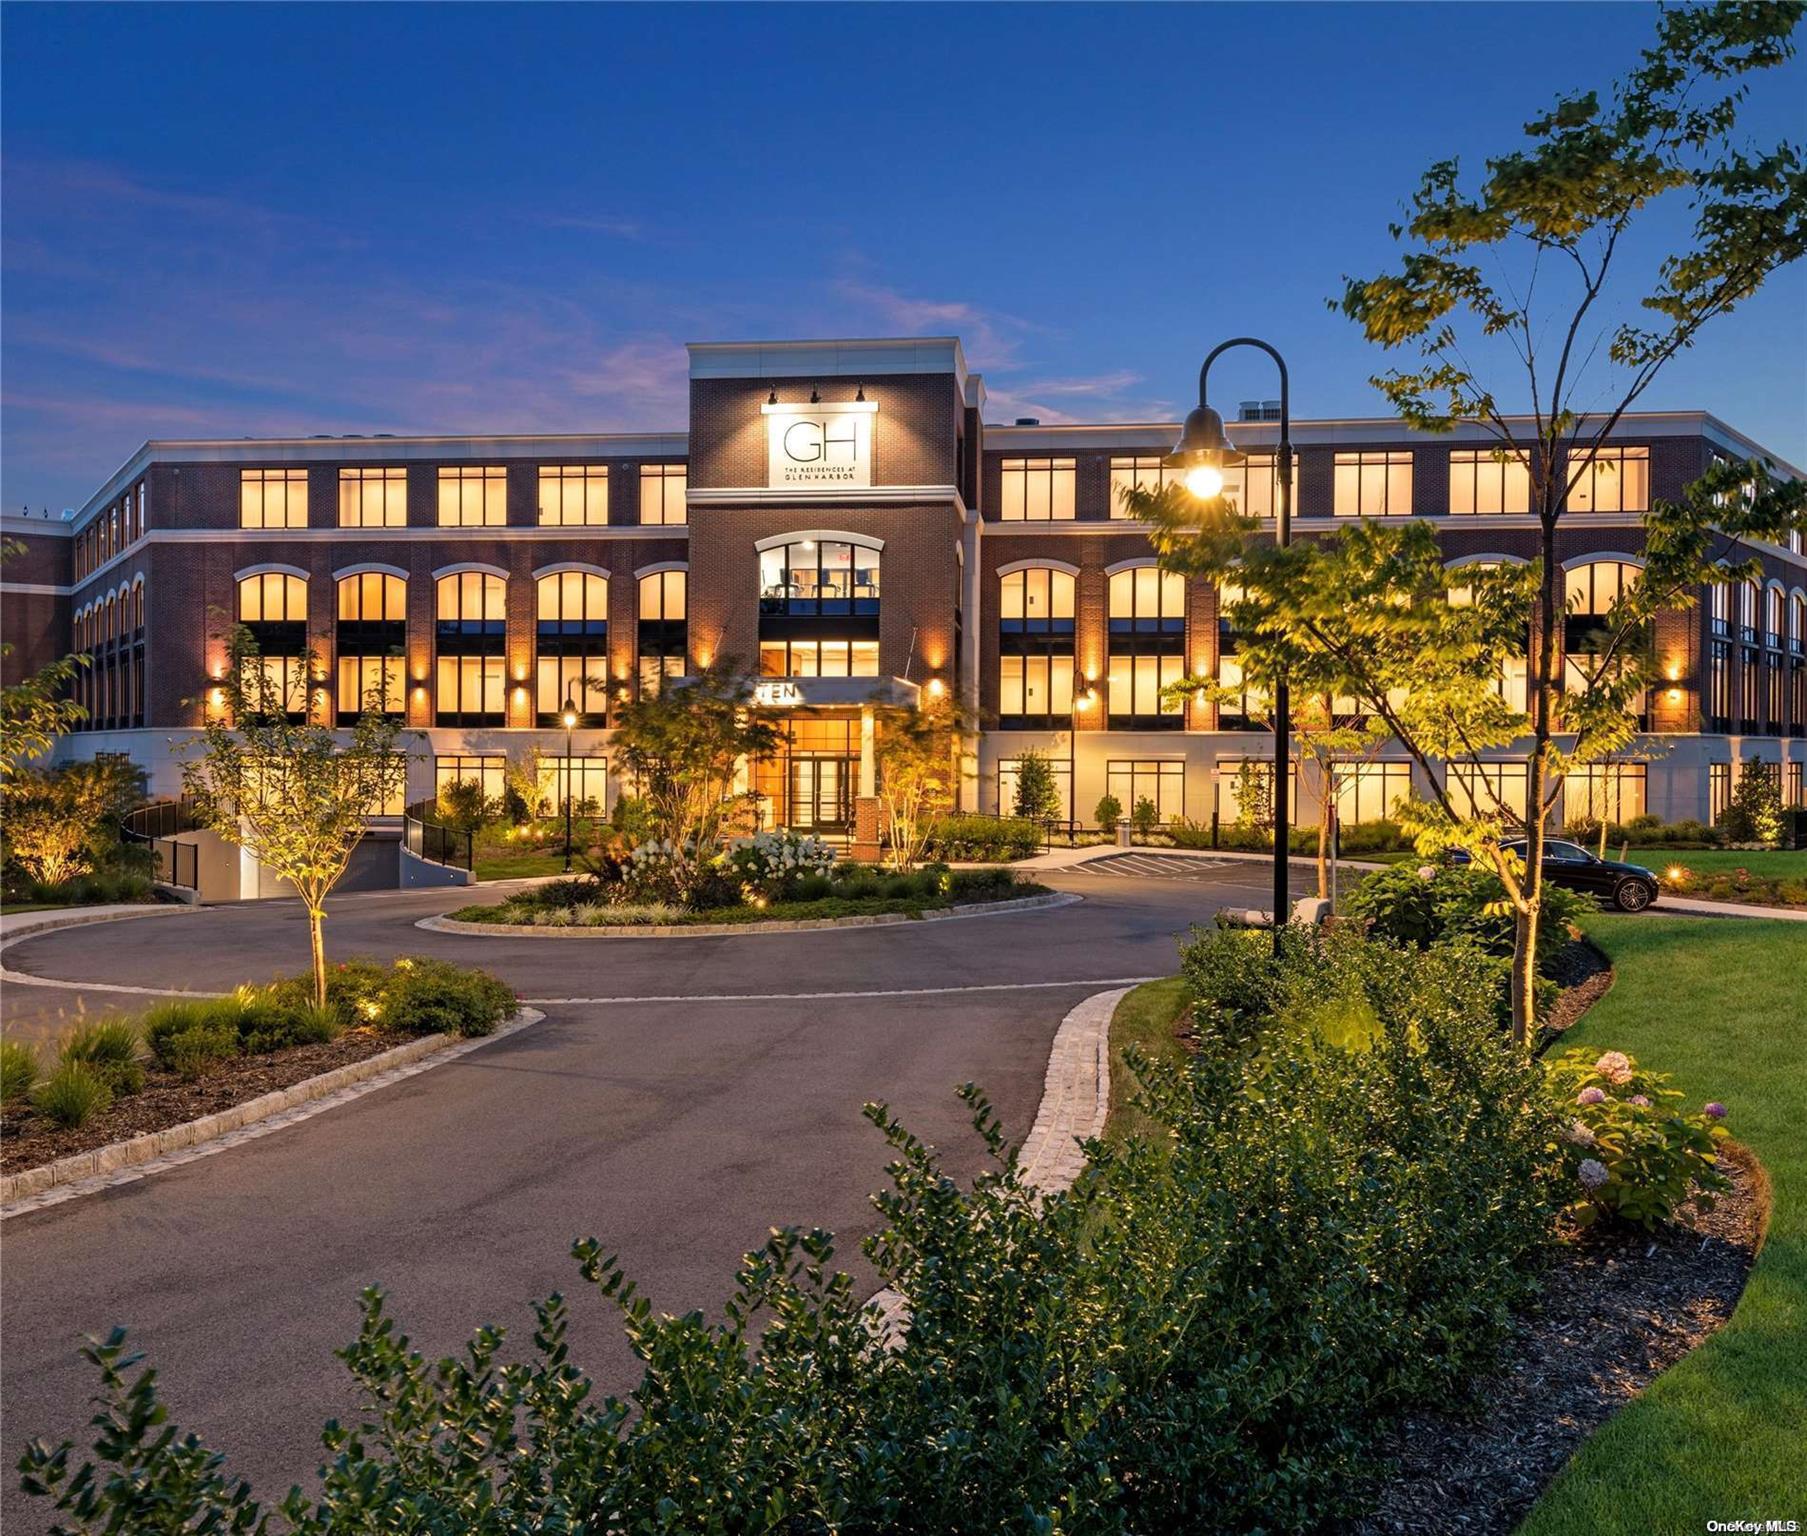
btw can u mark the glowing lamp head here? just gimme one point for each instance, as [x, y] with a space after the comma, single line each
[1087, 699]
[1203, 453]
[569, 714]
[936, 687]
[1205, 482]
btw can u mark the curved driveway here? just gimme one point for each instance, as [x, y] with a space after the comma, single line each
[678, 1132]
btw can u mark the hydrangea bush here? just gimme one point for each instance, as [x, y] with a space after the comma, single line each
[770, 864]
[1630, 1151]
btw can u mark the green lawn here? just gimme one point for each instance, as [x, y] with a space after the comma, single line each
[1722, 1004]
[1781, 864]
[506, 862]
[1145, 1018]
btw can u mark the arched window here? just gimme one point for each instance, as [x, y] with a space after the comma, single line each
[1147, 626]
[1035, 647]
[138, 606]
[572, 630]
[470, 633]
[372, 643]
[273, 606]
[818, 606]
[1589, 633]
[662, 638]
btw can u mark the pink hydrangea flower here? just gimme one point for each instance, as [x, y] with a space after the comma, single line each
[1639, 1100]
[1592, 1096]
[1579, 1135]
[1614, 1066]
[1427, 871]
[1592, 1173]
[1714, 1111]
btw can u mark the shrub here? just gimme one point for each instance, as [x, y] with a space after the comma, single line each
[190, 1037]
[1629, 1152]
[770, 864]
[1145, 817]
[656, 871]
[1424, 904]
[1371, 837]
[18, 1070]
[71, 1095]
[570, 891]
[976, 838]
[1107, 813]
[425, 997]
[1753, 816]
[267, 1021]
[979, 884]
[651, 914]
[462, 806]
[110, 1049]
[1037, 795]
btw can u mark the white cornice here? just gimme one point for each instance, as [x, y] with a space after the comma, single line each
[35, 589]
[759, 495]
[847, 359]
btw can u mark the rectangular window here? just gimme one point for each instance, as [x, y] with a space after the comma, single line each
[272, 498]
[1254, 487]
[1719, 790]
[574, 495]
[1163, 783]
[1136, 683]
[818, 658]
[363, 677]
[1373, 484]
[1259, 779]
[586, 779]
[662, 491]
[1795, 793]
[1368, 791]
[373, 498]
[473, 496]
[1036, 490]
[1063, 784]
[1143, 473]
[1037, 686]
[1481, 789]
[1482, 483]
[491, 771]
[1609, 792]
[472, 691]
[1618, 480]
[581, 679]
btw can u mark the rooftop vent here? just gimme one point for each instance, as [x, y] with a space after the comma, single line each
[1258, 410]
[1028, 421]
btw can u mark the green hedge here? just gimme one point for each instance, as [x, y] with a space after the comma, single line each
[972, 839]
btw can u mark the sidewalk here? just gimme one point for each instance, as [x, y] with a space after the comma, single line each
[16, 925]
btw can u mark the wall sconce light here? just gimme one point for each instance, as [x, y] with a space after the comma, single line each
[936, 687]
[859, 394]
[772, 398]
[216, 698]
[815, 395]
[1674, 695]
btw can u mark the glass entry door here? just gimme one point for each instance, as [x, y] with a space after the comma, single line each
[821, 795]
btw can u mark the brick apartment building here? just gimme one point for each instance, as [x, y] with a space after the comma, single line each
[839, 518]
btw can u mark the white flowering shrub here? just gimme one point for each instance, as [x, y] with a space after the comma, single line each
[770, 864]
[657, 871]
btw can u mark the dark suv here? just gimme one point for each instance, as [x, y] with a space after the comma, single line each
[1629, 887]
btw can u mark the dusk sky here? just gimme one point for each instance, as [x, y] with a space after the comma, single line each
[221, 221]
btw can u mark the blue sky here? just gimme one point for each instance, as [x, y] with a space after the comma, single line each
[227, 220]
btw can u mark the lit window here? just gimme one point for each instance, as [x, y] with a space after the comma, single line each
[1373, 484]
[663, 638]
[572, 631]
[1036, 601]
[373, 498]
[1162, 783]
[1618, 480]
[1253, 488]
[370, 597]
[574, 495]
[470, 633]
[663, 488]
[1140, 474]
[490, 771]
[1369, 791]
[827, 577]
[1036, 490]
[370, 684]
[1483, 483]
[1147, 600]
[1035, 689]
[1009, 771]
[372, 638]
[272, 498]
[271, 597]
[1245, 790]
[818, 658]
[473, 496]
[586, 779]
[1481, 789]
[1611, 792]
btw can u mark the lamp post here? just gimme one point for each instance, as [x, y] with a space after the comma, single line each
[569, 715]
[1204, 452]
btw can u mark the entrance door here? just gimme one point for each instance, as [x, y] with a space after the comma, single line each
[821, 799]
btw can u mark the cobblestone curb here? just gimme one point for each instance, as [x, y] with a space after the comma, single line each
[1076, 1098]
[123, 1162]
[723, 930]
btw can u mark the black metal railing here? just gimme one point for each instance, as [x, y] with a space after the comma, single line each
[425, 837]
[157, 826]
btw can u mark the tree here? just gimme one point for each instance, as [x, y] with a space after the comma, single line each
[51, 815]
[1108, 813]
[1754, 814]
[1037, 795]
[682, 747]
[917, 755]
[1542, 248]
[463, 807]
[1144, 816]
[35, 710]
[290, 793]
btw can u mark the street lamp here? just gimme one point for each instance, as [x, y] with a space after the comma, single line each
[1203, 452]
[569, 715]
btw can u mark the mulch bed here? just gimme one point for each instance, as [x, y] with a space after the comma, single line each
[1584, 974]
[28, 1141]
[1617, 1308]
